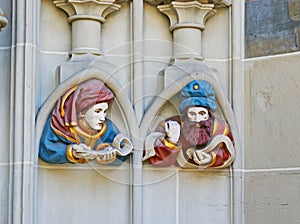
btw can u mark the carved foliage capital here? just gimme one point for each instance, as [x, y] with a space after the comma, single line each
[96, 9]
[187, 14]
[217, 3]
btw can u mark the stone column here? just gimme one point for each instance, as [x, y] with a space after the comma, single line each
[187, 22]
[86, 17]
[3, 20]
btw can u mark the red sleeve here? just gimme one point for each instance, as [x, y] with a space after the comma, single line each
[221, 153]
[164, 155]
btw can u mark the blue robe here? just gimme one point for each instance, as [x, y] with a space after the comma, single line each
[53, 146]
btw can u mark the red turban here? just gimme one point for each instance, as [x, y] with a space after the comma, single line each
[78, 99]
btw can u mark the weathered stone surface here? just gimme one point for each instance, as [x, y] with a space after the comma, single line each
[269, 28]
[294, 10]
[271, 112]
[272, 197]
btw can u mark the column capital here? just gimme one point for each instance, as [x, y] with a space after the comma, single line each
[187, 14]
[3, 20]
[217, 3]
[187, 21]
[87, 9]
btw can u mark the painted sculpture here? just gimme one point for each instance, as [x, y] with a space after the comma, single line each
[195, 139]
[78, 131]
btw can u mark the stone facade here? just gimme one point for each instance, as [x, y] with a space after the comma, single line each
[137, 47]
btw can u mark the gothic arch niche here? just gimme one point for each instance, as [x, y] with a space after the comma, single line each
[77, 191]
[178, 194]
[190, 190]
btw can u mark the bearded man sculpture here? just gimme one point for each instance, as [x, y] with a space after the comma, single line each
[78, 130]
[197, 138]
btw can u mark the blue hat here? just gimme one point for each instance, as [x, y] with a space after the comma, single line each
[198, 93]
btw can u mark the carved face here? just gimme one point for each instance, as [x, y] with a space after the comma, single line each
[197, 114]
[95, 116]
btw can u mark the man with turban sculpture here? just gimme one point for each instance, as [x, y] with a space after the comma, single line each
[78, 130]
[196, 138]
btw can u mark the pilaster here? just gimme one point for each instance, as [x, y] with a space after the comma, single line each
[22, 111]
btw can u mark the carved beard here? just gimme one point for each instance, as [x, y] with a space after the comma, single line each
[197, 133]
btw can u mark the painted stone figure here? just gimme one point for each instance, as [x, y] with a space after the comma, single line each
[195, 139]
[78, 130]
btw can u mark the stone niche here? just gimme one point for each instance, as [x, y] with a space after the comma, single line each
[134, 189]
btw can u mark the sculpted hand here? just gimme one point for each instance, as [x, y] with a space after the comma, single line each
[201, 157]
[109, 155]
[83, 151]
[172, 131]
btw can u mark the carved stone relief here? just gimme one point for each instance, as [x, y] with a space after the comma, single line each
[195, 139]
[78, 131]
